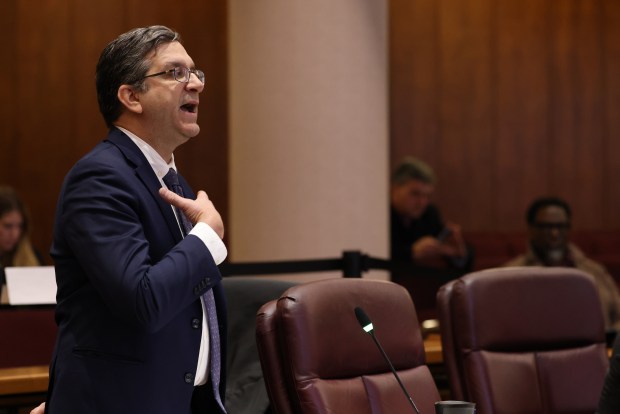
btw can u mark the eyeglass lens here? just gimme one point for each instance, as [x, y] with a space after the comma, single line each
[182, 74]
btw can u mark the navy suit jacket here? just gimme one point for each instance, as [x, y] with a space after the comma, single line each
[128, 304]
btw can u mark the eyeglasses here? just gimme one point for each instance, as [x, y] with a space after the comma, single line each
[181, 74]
[552, 226]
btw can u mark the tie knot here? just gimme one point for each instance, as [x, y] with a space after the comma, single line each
[171, 179]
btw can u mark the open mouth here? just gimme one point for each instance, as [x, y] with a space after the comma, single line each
[191, 108]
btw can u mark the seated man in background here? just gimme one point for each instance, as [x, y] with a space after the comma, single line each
[549, 220]
[418, 233]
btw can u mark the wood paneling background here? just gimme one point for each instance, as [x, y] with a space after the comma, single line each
[49, 116]
[509, 100]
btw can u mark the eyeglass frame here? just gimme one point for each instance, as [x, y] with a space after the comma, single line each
[199, 74]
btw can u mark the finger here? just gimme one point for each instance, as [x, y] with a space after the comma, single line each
[172, 198]
[202, 194]
[38, 410]
[166, 194]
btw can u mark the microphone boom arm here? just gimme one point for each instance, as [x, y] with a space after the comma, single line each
[366, 324]
[372, 334]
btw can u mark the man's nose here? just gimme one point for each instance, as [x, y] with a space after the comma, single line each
[555, 232]
[194, 83]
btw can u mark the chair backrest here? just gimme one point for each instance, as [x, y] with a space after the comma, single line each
[316, 357]
[524, 340]
[245, 388]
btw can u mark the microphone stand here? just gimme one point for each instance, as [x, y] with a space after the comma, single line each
[367, 325]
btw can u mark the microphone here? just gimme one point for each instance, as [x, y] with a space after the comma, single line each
[366, 324]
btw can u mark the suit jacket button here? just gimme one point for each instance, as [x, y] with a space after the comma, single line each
[189, 378]
[196, 323]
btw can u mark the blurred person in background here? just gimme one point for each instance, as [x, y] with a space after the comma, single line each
[418, 233]
[15, 246]
[549, 222]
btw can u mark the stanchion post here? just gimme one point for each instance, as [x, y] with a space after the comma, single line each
[352, 265]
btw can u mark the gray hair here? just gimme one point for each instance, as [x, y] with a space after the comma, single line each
[124, 61]
[413, 169]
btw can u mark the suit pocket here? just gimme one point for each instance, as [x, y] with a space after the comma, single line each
[95, 354]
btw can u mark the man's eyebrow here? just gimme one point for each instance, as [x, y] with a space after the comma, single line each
[177, 63]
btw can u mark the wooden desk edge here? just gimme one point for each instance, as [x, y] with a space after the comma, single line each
[24, 380]
[432, 349]
[35, 379]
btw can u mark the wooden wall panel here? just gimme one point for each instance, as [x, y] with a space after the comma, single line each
[467, 114]
[611, 158]
[48, 109]
[576, 139]
[590, 118]
[44, 116]
[9, 73]
[87, 41]
[528, 102]
[522, 109]
[414, 92]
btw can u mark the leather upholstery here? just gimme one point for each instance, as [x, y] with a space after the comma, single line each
[524, 340]
[316, 358]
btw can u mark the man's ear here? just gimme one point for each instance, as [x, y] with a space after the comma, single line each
[130, 98]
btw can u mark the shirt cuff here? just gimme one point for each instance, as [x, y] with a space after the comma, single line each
[209, 237]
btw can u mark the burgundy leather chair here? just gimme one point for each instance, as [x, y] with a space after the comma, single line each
[316, 358]
[524, 340]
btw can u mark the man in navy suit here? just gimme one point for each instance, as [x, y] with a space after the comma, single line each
[134, 261]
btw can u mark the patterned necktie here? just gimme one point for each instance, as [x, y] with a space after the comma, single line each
[171, 179]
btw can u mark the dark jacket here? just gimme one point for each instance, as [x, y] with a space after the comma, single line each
[402, 237]
[128, 303]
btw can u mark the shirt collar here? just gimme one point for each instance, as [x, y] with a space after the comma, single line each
[159, 166]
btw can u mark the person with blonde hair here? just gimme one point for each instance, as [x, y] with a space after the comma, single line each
[15, 246]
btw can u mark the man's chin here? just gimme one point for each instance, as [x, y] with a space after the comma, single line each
[191, 131]
[555, 255]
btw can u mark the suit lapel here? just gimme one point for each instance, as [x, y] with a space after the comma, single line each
[147, 176]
